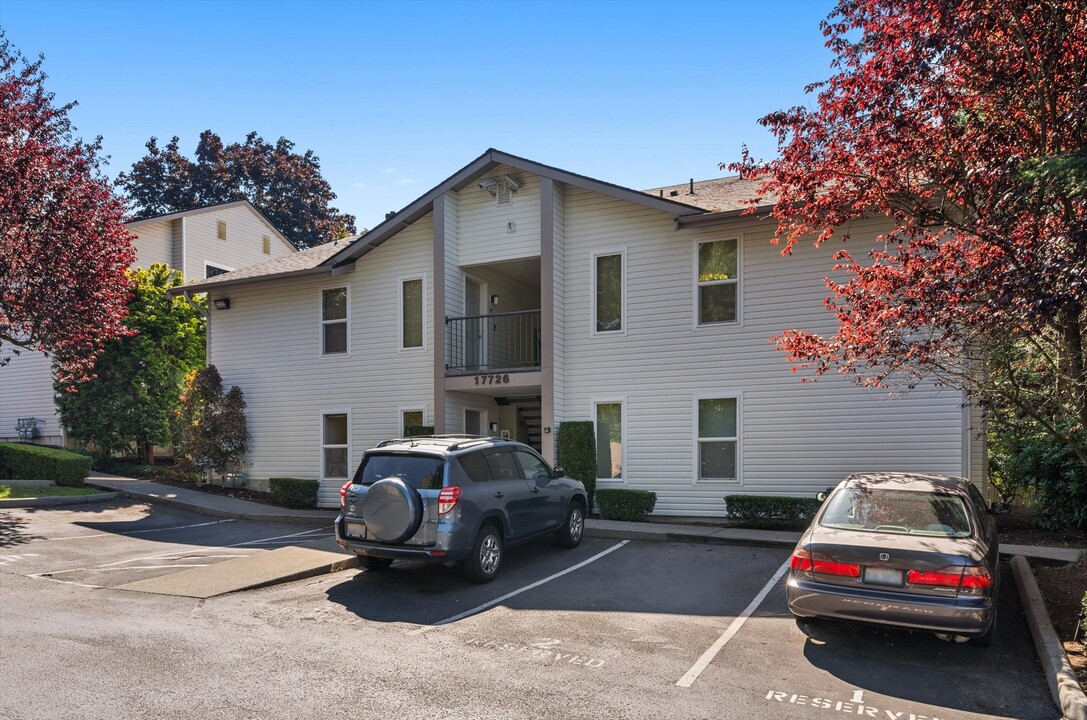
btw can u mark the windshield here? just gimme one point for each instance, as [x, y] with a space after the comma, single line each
[421, 472]
[897, 511]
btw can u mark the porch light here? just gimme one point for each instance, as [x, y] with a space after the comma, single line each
[222, 304]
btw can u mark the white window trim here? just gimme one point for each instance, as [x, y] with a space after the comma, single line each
[220, 266]
[321, 320]
[739, 439]
[323, 446]
[400, 311]
[604, 252]
[696, 305]
[406, 409]
[611, 400]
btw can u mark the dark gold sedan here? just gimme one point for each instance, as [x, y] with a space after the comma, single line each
[913, 551]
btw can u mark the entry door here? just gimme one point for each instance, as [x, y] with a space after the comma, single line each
[473, 422]
[474, 329]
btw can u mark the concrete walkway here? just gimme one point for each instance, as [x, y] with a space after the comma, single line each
[292, 563]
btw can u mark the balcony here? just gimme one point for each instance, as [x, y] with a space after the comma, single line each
[496, 342]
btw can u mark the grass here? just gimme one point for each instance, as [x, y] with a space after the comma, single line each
[16, 490]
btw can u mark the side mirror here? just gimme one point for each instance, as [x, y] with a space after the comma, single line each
[821, 496]
[1000, 508]
[559, 472]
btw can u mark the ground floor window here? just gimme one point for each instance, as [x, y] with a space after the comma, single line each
[412, 422]
[608, 418]
[718, 439]
[334, 445]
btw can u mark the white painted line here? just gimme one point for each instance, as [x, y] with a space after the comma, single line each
[176, 527]
[507, 596]
[708, 656]
[66, 582]
[195, 549]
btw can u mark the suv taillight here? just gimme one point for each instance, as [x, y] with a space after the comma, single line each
[343, 493]
[447, 499]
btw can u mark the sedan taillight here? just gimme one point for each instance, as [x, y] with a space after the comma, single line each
[972, 577]
[447, 499]
[343, 493]
[823, 564]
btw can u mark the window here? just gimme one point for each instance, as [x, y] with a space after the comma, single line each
[334, 321]
[334, 448]
[221, 230]
[411, 420]
[609, 440]
[608, 281]
[503, 465]
[718, 435]
[718, 282]
[211, 271]
[533, 467]
[411, 313]
[266, 244]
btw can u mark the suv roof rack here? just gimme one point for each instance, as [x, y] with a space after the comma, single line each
[450, 442]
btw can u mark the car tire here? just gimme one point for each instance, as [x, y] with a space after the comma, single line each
[375, 564]
[482, 565]
[987, 639]
[573, 528]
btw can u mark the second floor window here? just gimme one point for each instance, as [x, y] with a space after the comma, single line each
[411, 313]
[334, 321]
[718, 282]
[608, 284]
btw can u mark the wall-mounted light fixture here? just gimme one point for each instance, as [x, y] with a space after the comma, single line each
[222, 304]
[493, 427]
[494, 299]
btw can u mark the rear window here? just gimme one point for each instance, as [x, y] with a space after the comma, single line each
[897, 511]
[421, 472]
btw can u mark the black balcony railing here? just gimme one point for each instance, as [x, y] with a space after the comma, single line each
[489, 343]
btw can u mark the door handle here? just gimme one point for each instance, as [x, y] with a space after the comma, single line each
[498, 495]
[535, 490]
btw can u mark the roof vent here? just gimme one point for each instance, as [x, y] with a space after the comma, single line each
[674, 193]
[390, 214]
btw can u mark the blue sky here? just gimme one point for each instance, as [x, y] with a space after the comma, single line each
[394, 97]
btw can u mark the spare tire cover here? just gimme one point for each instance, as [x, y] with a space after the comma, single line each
[392, 510]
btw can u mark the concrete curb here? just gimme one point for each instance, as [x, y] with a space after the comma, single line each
[55, 501]
[1062, 681]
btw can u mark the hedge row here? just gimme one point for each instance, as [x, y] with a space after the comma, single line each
[294, 492]
[625, 504]
[761, 511]
[23, 461]
[577, 454]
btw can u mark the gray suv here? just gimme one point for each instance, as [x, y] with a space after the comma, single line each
[455, 498]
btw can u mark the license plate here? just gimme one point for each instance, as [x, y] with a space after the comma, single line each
[882, 576]
[355, 529]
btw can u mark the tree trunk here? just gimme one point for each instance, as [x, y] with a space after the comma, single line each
[149, 453]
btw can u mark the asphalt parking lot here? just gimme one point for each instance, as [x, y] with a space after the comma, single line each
[611, 629]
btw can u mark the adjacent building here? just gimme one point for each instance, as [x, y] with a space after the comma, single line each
[200, 243]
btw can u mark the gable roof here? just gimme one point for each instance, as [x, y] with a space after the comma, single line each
[479, 167]
[133, 224]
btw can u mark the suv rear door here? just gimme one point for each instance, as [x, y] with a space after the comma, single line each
[510, 492]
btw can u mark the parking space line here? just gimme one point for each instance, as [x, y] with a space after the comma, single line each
[708, 656]
[507, 596]
[139, 532]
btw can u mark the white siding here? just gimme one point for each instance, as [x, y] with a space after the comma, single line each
[243, 245]
[154, 244]
[26, 390]
[795, 437]
[484, 225]
[267, 343]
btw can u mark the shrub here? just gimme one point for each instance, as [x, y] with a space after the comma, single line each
[770, 511]
[1083, 615]
[1050, 475]
[625, 504]
[294, 492]
[211, 424]
[577, 454]
[22, 461]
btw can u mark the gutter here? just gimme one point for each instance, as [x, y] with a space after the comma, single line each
[212, 287]
[758, 212]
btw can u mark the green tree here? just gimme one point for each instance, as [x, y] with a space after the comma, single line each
[284, 185]
[129, 403]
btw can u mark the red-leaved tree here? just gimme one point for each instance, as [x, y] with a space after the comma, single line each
[965, 123]
[64, 248]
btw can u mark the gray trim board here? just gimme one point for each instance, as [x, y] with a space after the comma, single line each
[438, 343]
[212, 287]
[761, 213]
[547, 315]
